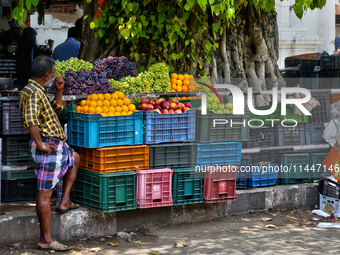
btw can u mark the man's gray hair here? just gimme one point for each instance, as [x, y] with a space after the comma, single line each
[42, 65]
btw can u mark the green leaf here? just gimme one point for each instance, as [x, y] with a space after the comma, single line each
[130, 6]
[215, 27]
[126, 33]
[188, 55]
[112, 20]
[165, 44]
[172, 40]
[140, 27]
[133, 19]
[134, 32]
[35, 2]
[92, 25]
[16, 13]
[187, 42]
[153, 18]
[145, 23]
[185, 15]
[187, 7]
[192, 41]
[152, 60]
[142, 33]
[202, 4]
[298, 10]
[161, 17]
[107, 41]
[208, 46]
[124, 2]
[137, 56]
[120, 21]
[230, 13]
[217, 45]
[270, 6]
[211, 2]
[191, 3]
[121, 46]
[135, 7]
[101, 32]
[28, 4]
[142, 18]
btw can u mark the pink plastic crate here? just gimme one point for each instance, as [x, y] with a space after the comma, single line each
[154, 188]
[220, 186]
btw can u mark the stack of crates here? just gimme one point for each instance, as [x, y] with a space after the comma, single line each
[330, 72]
[17, 185]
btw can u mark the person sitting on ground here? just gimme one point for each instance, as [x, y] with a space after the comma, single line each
[70, 48]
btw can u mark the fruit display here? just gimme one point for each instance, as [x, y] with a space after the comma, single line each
[180, 82]
[115, 104]
[74, 64]
[154, 80]
[214, 105]
[164, 106]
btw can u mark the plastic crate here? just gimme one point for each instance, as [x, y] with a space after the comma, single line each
[19, 190]
[220, 186]
[206, 132]
[94, 131]
[334, 98]
[277, 115]
[241, 177]
[328, 62]
[212, 154]
[314, 134]
[287, 136]
[172, 155]
[291, 76]
[262, 157]
[15, 150]
[115, 159]
[329, 79]
[329, 188]
[307, 65]
[63, 115]
[187, 186]
[263, 175]
[322, 112]
[18, 175]
[169, 128]
[309, 80]
[295, 168]
[12, 123]
[292, 62]
[105, 192]
[315, 166]
[154, 188]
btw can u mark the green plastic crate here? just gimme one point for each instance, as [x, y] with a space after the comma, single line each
[18, 175]
[295, 168]
[187, 186]
[315, 165]
[109, 192]
[206, 132]
[277, 115]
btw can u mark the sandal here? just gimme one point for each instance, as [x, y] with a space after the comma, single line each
[55, 246]
[73, 206]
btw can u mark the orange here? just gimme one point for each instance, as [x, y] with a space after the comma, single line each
[106, 103]
[179, 83]
[111, 109]
[107, 96]
[118, 109]
[104, 114]
[120, 102]
[113, 102]
[173, 90]
[99, 103]
[180, 77]
[188, 98]
[186, 76]
[173, 80]
[186, 82]
[93, 104]
[174, 86]
[88, 102]
[105, 109]
[121, 95]
[173, 75]
[101, 97]
[179, 89]
[114, 96]
[125, 108]
[110, 114]
[129, 113]
[126, 101]
[94, 97]
[185, 89]
[79, 108]
[99, 110]
[132, 107]
[85, 109]
[89, 97]
[92, 110]
[116, 92]
[117, 114]
[123, 113]
[184, 98]
[83, 103]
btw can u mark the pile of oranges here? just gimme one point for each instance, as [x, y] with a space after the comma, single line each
[181, 83]
[115, 104]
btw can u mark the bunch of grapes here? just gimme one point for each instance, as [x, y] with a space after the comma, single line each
[74, 64]
[87, 82]
[114, 67]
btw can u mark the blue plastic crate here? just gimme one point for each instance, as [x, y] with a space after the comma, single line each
[169, 128]
[241, 181]
[263, 175]
[212, 154]
[95, 131]
[315, 166]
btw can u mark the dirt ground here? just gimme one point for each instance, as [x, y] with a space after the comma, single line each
[293, 232]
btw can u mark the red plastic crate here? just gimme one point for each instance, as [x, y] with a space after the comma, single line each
[334, 98]
[220, 186]
[154, 188]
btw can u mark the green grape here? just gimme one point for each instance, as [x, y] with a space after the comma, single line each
[73, 63]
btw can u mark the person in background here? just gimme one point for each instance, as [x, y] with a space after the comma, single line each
[79, 24]
[26, 52]
[54, 159]
[70, 48]
[10, 36]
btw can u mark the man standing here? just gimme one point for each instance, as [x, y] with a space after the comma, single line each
[70, 48]
[54, 159]
[10, 36]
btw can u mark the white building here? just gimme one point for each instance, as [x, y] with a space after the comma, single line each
[315, 32]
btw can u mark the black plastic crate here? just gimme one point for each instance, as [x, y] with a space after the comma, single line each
[11, 119]
[15, 150]
[261, 157]
[329, 62]
[322, 112]
[314, 134]
[307, 65]
[329, 188]
[172, 155]
[19, 190]
[241, 179]
[292, 62]
[329, 79]
[309, 80]
[18, 175]
[291, 76]
[288, 136]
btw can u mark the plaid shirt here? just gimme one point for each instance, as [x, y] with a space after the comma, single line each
[38, 110]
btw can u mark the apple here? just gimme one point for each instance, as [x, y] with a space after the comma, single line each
[152, 102]
[173, 106]
[186, 109]
[165, 105]
[175, 100]
[169, 101]
[157, 106]
[187, 104]
[150, 106]
[178, 111]
[181, 106]
[144, 101]
[171, 111]
[164, 111]
[144, 106]
[157, 110]
[139, 107]
[158, 101]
